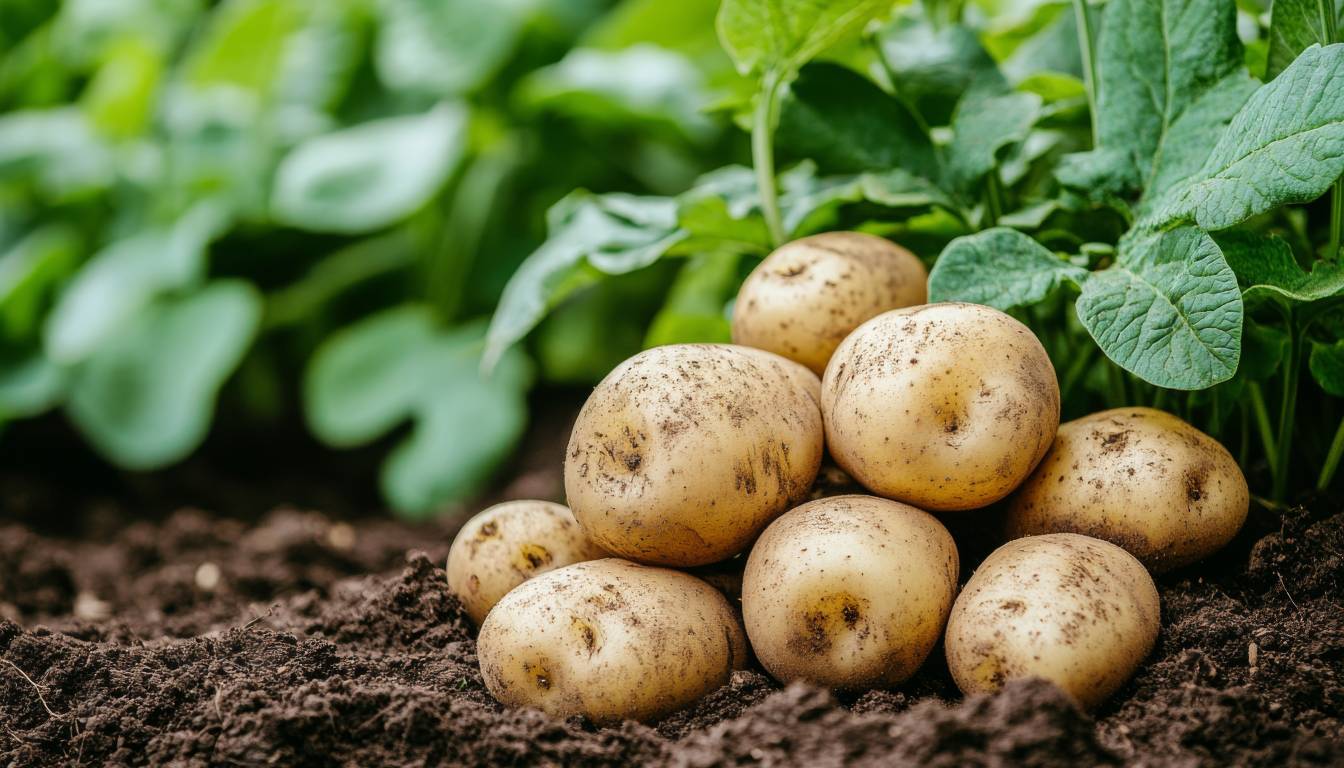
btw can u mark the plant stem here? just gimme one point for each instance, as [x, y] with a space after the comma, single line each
[1160, 399]
[1336, 220]
[1287, 410]
[1328, 26]
[1075, 371]
[1262, 424]
[1115, 383]
[993, 198]
[763, 152]
[1332, 459]
[1085, 38]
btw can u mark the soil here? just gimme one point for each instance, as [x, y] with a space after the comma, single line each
[304, 639]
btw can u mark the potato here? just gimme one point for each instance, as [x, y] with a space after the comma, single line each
[509, 543]
[685, 452]
[849, 591]
[1140, 478]
[609, 639]
[1077, 611]
[807, 295]
[944, 406]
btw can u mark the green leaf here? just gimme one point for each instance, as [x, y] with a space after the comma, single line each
[1267, 270]
[642, 84]
[809, 202]
[1198, 128]
[1327, 366]
[29, 273]
[371, 175]
[445, 47]
[58, 149]
[984, 124]
[930, 67]
[587, 235]
[761, 35]
[365, 378]
[694, 311]
[30, 384]
[846, 124]
[1156, 59]
[1286, 145]
[244, 45]
[1263, 348]
[145, 397]
[397, 365]
[1001, 268]
[119, 280]
[1294, 26]
[1169, 311]
[120, 98]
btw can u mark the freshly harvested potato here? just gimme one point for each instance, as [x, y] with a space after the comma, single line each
[944, 406]
[849, 591]
[509, 543]
[1139, 478]
[807, 295]
[685, 452]
[609, 639]
[1077, 611]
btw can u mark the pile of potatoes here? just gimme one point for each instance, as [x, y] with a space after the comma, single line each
[694, 538]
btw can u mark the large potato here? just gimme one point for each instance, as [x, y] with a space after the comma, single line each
[849, 591]
[685, 452]
[609, 639]
[1078, 611]
[509, 543]
[807, 295]
[944, 406]
[1140, 478]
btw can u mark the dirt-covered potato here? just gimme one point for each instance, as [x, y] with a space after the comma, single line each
[509, 543]
[609, 639]
[685, 452]
[1140, 478]
[1078, 611]
[849, 591]
[944, 406]
[807, 295]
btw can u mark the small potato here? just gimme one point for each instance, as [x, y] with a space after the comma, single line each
[509, 543]
[807, 295]
[609, 640]
[1139, 478]
[849, 591]
[944, 406]
[1077, 611]
[685, 452]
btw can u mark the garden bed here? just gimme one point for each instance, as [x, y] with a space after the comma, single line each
[300, 640]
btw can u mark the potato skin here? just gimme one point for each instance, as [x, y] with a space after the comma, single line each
[944, 406]
[849, 591]
[808, 295]
[1140, 478]
[685, 452]
[509, 543]
[609, 639]
[1078, 611]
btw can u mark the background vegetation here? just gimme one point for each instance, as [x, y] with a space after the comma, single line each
[385, 213]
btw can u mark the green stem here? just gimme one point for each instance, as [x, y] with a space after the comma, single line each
[993, 197]
[1075, 371]
[1262, 424]
[1160, 399]
[1326, 9]
[1332, 459]
[763, 152]
[1244, 451]
[1085, 38]
[1336, 220]
[1115, 383]
[1287, 410]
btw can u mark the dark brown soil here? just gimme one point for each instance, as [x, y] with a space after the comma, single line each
[205, 641]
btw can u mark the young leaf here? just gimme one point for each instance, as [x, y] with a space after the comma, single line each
[1286, 145]
[1267, 270]
[1024, 272]
[783, 35]
[1169, 311]
[1295, 25]
[587, 235]
[369, 176]
[847, 124]
[146, 396]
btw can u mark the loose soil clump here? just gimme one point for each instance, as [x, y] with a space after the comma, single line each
[302, 641]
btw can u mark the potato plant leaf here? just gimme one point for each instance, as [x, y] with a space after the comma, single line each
[1294, 26]
[983, 125]
[145, 398]
[847, 124]
[1286, 145]
[1327, 366]
[29, 274]
[1169, 311]
[931, 66]
[30, 384]
[1267, 270]
[371, 175]
[1024, 272]
[444, 47]
[761, 35]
